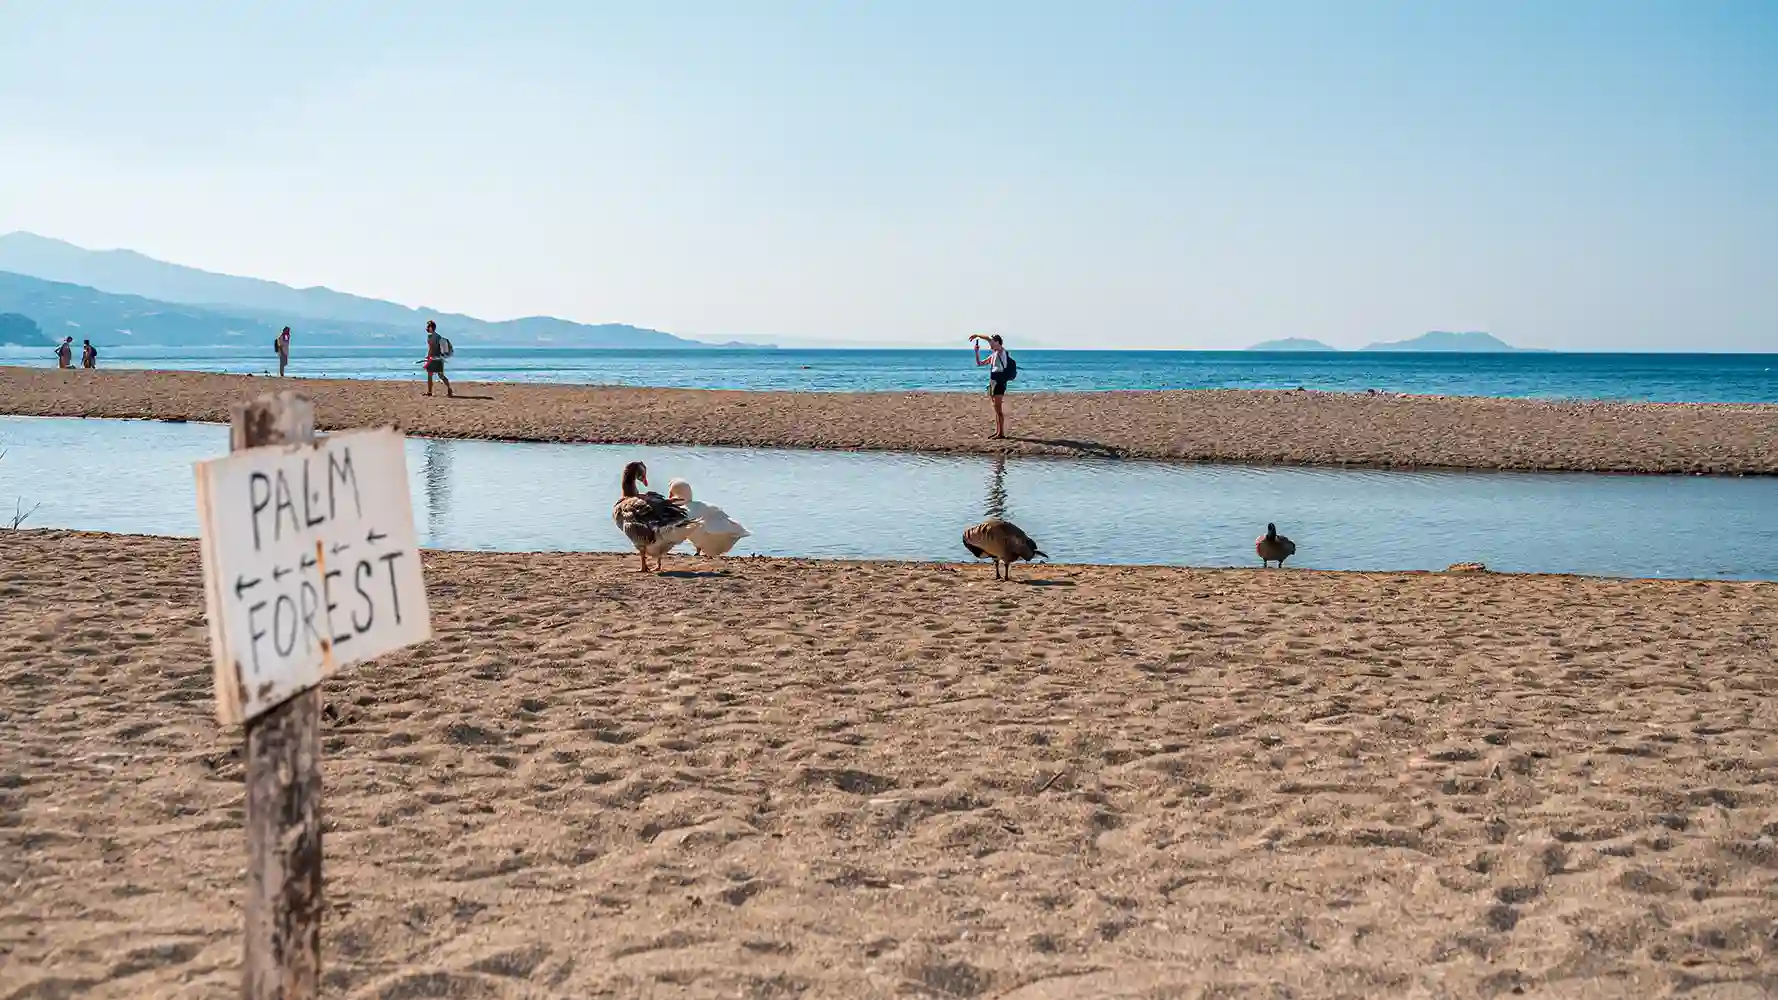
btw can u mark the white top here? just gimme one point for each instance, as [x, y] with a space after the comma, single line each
[997, 359]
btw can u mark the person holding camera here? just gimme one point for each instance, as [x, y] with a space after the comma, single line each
[1001, 370]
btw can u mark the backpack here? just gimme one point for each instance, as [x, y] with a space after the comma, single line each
[1012, 369]
[444, 346]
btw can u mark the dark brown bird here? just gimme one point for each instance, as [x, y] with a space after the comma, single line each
[1001, 541]
[653, 523]
[1273, 547]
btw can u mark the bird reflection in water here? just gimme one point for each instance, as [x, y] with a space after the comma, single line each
[996, 505]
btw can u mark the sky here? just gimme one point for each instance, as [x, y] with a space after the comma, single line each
[1572, 175]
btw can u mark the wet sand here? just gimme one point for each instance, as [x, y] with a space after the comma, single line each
[787, 778]
[1232, 426]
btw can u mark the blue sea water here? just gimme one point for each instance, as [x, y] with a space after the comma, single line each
[1721, 378]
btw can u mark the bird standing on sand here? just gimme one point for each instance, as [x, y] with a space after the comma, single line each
[1001, 541]
[1273, 547]
[650, 521]
[717, 532]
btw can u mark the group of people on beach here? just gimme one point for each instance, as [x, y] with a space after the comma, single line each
[1002, 369]
[437, 350]
[89, 355]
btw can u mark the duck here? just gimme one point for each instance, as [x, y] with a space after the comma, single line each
[1001, 541]
[652, 523]
[1273, 547]
[717, 532]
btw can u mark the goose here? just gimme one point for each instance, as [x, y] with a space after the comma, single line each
[717, 532]
[1273, 547]
[650, 521]
[1001, 541]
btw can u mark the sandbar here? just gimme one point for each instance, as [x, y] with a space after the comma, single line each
[1244, 426]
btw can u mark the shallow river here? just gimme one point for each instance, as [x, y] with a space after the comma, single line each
[135, 476]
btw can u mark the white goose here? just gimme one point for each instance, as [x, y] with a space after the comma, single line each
[717, 533]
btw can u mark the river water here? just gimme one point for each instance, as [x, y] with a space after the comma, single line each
[136, 477]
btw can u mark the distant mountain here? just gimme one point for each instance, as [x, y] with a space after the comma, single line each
[333, 316]
[65, 310]
[22, 331]
[1292, 344]
[1473, 342]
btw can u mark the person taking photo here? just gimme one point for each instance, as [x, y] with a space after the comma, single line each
[1001, 370]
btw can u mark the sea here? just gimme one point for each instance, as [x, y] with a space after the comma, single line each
[1702, 378]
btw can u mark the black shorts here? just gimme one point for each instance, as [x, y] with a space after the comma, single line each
[996, 385]
[435, 366]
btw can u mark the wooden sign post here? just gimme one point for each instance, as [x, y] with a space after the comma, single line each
[310, 564]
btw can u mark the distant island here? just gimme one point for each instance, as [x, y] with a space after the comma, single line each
[122, 293]
[1473, 342]
[1437, 341]
[1292, 344]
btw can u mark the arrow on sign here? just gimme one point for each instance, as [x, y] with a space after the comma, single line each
[242, 583]
[339, 547]
[375, 536]
[279, 573]
[308, 562]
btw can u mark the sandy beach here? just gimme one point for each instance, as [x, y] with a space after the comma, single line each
[1233, 426]
[772, 778]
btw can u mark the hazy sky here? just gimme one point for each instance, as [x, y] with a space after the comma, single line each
[1562, 173]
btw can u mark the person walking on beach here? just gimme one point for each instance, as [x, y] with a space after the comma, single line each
[1000, 371]
[281, 344]
[89, 355]
[65, 353]
[436, 350]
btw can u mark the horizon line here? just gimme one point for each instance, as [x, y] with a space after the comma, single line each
[697, 340]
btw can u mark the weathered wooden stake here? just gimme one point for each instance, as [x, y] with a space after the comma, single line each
[283, 905]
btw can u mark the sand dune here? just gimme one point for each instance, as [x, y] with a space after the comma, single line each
[786, 778]
[1237, 426]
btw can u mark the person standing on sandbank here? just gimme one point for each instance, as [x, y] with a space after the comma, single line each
[1001, 370]
[89, 355]
[65, 353]
[281, 344]
[437, 349]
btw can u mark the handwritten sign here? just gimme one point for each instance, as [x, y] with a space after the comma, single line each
[310, 564]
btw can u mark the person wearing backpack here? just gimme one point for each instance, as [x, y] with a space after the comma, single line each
[1001, 370]
[437, 349]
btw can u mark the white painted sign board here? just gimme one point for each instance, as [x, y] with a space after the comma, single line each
[310, 564]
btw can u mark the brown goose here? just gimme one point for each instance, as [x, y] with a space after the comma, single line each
[1001, 541]
[1273, 547]
[653, 523]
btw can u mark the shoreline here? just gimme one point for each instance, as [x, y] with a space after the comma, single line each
[683, 560]
[843, 779]
[1237, 426]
